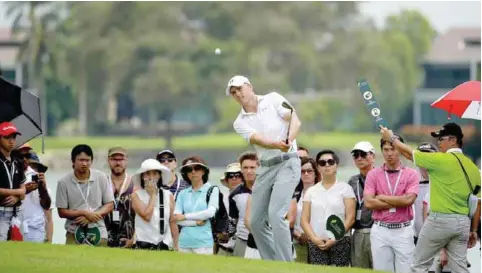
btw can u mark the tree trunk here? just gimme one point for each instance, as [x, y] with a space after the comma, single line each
[169, 132]
[111, 105]
[82, 93]
[112, 109]
[152, 116]
[43, 105]
[31, 50]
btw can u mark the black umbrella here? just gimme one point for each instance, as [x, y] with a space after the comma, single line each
[22, 108]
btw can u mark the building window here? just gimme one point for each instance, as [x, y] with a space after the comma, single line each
[441, 77]
[478, 72]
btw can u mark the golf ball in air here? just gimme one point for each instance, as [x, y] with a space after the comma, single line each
[217, 51]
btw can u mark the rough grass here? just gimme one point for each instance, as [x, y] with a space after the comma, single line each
[32, 258]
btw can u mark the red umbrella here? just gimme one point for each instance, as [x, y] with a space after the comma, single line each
[462, 101]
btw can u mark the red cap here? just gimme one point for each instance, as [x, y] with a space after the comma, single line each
[8, 128]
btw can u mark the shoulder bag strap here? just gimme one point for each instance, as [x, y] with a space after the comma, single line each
[208, 194]
[161, 211]
[465, 173]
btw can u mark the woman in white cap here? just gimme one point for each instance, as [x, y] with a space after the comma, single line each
[193, 211]
[154, 207]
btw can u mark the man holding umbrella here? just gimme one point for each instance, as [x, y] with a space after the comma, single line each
[454, 182]
[12, 178]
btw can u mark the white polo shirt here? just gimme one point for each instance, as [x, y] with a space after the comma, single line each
[268, 121]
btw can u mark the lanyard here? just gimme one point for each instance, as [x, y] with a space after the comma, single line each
[82, 194]
[116, 201]
[10, 173]
[392, 191]
[359, 200]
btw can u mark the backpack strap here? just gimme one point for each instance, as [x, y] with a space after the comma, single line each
[162, 219]
[465, 173]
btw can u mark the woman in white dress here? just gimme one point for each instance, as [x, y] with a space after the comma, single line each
[154, 207]
[329, 197]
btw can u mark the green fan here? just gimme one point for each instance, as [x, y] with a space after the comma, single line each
[86, 235]
[335, 225]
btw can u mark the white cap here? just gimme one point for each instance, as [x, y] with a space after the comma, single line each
[236, 81]
[365, 146]
[151, 165]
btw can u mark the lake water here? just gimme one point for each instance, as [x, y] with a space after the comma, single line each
[344, 173]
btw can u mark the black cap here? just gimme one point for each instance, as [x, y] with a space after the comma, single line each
[427, 147]
[449, 129]
[166, 152]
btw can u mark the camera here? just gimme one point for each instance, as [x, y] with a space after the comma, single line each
[35, 178]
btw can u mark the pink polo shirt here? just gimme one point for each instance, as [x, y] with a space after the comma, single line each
[376, 184]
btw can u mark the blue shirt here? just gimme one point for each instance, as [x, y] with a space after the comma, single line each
[190, 201]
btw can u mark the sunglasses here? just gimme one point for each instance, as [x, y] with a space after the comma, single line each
[440, 139]
[323, 163]
[357, 154]
[307, 171]
[233, 175]
[195, 168]
[164, 160]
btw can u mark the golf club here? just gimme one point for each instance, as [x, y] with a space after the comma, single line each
[287, 106]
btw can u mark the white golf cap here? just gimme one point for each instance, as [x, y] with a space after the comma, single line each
[236, 81]
[365, 146]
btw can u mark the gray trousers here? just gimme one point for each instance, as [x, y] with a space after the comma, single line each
[271, 197]
[442, 230]
[361, 252]
[239, 248]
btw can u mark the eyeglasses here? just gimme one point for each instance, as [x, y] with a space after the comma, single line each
[233, 175]
[307, 171]
[357, 154]
[323, 163]
[193, 168]
[164, 160]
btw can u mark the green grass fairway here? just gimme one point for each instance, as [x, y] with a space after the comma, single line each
[215, 141]
[31, 258]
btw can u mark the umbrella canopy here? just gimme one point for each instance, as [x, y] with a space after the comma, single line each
[22, 108]
[462, 101]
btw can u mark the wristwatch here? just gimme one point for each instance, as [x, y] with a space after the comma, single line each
[393, 137]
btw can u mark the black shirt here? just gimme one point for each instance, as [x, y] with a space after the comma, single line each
[18, 176]
[366, 215]
[124, 228]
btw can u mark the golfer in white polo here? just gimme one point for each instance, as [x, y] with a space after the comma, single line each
[263, 122]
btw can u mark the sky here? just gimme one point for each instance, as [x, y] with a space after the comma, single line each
[442, 14]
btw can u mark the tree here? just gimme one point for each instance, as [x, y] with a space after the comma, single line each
[41, 19]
